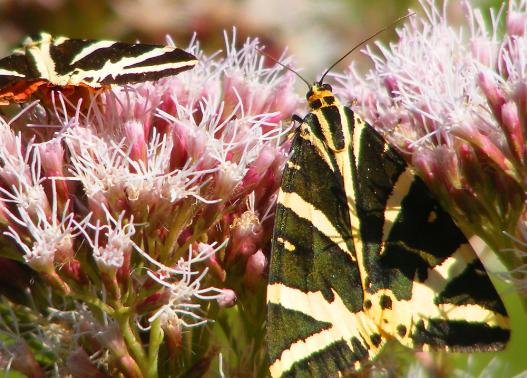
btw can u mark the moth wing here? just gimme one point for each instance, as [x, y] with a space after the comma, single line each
[100, 63]
[70, 63]
[316, 325]
[426, 286]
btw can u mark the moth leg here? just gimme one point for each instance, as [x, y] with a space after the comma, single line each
[297, 118]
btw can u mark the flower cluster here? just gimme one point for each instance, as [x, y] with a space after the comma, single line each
[148, 212]
[455, 106]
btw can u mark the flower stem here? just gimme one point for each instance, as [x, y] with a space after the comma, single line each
[156, 338]
[183, 215]
[134, 344]
[94, 301]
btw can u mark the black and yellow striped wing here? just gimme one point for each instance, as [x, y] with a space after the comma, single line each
[63, 62]
[362, 254]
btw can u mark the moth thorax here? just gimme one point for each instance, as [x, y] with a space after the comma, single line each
[326, 108]
[334, 139]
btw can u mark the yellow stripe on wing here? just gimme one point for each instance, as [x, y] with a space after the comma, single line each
[346, 325]
[317, 218]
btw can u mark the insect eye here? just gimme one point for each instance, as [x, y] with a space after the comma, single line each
[327, 87]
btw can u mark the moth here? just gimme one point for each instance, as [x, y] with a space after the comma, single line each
[48, 63]
[363, 254]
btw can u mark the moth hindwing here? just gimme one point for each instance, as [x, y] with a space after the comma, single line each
[363, 254]
[63, 63]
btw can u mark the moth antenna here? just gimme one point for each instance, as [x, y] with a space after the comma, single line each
[363, 42]
[285, 66]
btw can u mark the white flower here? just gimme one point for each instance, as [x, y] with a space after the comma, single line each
[184, 285]
[22, 171]
[110, 241]
[48, 235]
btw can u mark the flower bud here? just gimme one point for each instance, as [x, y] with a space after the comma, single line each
[227, 299]
[172, 329]
[97, 201]
[23, 360]
[111, 338]
[154, 301]
[391, 85]
[258, 169]
[495, 97]
[136, 140]
[179, 154]
[255, 269]
[52, 158]
[483, 51]
[513, 131]
[79, 365]
[216, 268]
[485, 145]
[516, 22]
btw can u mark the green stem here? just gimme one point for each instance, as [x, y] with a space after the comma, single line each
[134, 344]
[156, 338]
[183, 215]
[94, 301]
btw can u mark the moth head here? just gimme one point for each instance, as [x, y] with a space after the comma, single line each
[319, 95]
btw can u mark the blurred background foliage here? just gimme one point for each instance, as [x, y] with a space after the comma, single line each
[315, 32]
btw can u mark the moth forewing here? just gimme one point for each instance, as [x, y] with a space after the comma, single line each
[72, 64]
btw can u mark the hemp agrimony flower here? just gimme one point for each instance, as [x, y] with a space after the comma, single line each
[146, 214]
